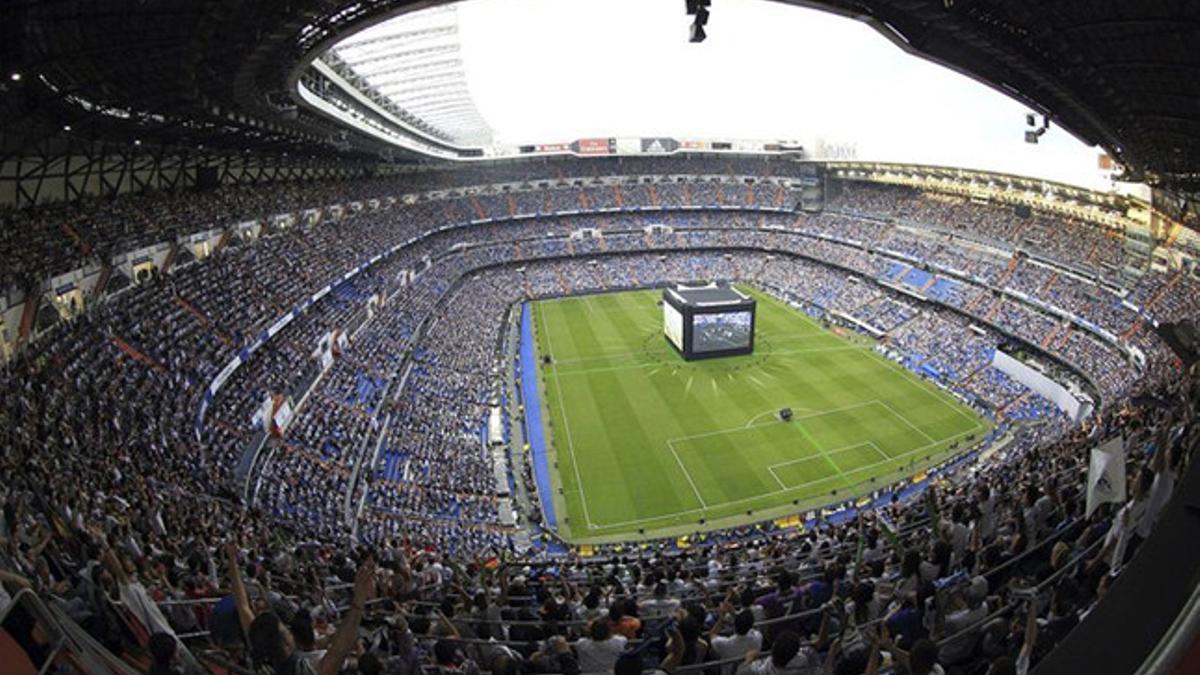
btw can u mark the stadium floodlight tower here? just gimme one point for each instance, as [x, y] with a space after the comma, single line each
[706, 320]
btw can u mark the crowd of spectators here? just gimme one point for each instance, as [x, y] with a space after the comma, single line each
[372, 539]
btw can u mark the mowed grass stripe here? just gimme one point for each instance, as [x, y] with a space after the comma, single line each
[627, 395]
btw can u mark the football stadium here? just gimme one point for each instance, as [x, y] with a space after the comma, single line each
[682, 337]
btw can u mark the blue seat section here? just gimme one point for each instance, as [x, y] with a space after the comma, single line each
[894, 269]
[943, 289]
[917, 278]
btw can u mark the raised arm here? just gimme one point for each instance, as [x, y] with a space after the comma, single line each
[674, 651]
[344, 639]
[240, 600]
[13, 578]
[1031, 632]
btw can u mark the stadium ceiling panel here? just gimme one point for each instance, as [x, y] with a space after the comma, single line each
[412, 62]
[221, 75]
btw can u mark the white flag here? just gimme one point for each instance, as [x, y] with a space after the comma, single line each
[1106, 475]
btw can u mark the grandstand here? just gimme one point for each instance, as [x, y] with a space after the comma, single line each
[307, 369]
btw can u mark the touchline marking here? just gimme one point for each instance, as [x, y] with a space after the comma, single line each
[688, 476]
[905, 420]
[566, 425]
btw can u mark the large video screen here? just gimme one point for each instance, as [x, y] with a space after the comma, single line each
[673, 325]
[718, 332]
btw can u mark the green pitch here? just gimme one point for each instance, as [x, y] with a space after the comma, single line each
[644, 443]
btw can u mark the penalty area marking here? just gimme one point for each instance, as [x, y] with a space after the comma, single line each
[688, 475]
[784, 490]
[823, 454]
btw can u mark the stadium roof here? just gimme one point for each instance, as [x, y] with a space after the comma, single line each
[222, 76]
[413, 64]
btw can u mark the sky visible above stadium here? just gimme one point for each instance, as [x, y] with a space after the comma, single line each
[543, 71]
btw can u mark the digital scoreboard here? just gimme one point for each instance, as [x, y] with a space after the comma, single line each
[706, 320]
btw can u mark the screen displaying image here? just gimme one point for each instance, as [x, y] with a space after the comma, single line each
[673, 325]
[717, 332]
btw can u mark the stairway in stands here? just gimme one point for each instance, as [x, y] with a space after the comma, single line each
[85, 249]
[28, 314]
[137, 354]
[1045, 290]
[480, 213]
[187, 306]
[223, 241]
[170, 259]
[1051, 335]
[1158, 296]
[1013, 263]
[102, 281]
[1001, 412]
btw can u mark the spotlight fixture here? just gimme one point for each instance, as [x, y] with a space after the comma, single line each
[699, 10]
[15, 77]
[1033, 132]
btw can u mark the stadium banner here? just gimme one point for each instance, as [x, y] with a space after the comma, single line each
[280, 324]
[262, 416]
[226, 372]
[594, 146]
[1042, 385]
[324, 352]
[659, 146]
[495, 426]
[1106, 475]
[694, 145]
[628, 146]
[552, 147]
[282, 415]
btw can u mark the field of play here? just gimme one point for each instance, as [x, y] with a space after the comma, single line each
[645, 443]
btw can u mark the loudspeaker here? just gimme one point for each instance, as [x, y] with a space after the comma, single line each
[785, 414]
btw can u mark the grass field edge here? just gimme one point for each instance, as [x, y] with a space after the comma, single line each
[621, 532]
